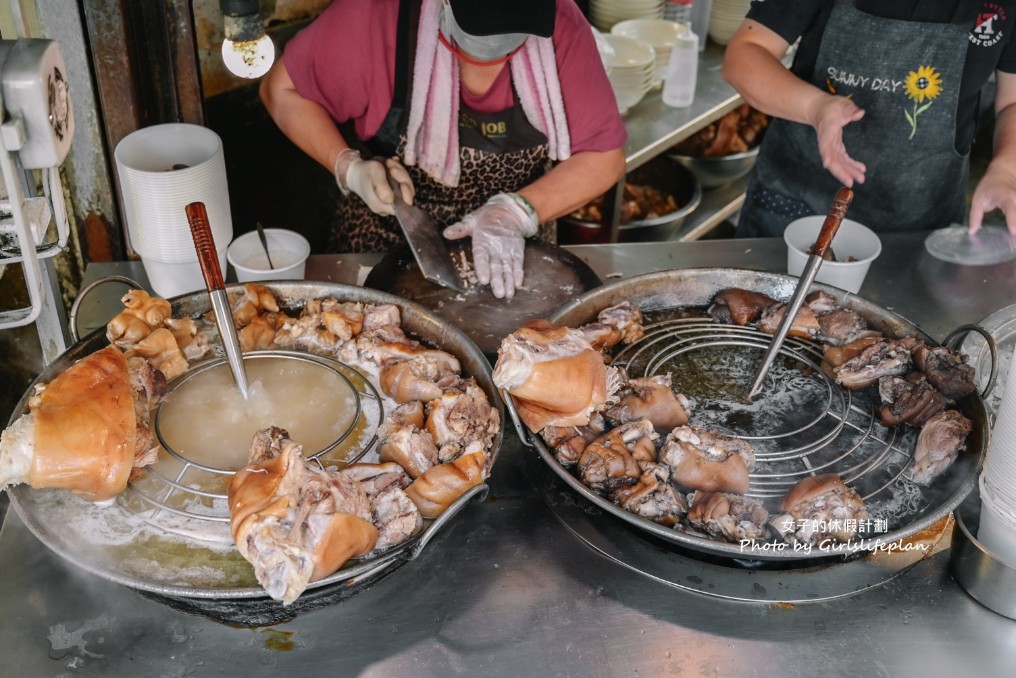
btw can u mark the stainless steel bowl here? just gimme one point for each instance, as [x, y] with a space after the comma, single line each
[660, 173]
[986, 577]
[713, 172]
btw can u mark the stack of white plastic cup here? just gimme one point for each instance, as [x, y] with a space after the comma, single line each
[997, 530]
[162, 169]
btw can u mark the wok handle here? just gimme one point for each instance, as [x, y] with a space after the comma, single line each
[837, 211]
[520, 428]
[201, 232]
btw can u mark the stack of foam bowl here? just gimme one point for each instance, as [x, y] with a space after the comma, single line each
[658, 33]
[998, 481]
[605, 13]
[630, 64]
[162, 169]
[725, 17]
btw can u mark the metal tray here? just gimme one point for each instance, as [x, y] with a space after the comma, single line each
[913, 508]
[162, 560]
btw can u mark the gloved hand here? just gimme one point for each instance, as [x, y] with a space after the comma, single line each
[369, 180]
[499, 229]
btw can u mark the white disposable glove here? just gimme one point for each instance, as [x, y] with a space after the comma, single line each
[499, 229]
[369, 180]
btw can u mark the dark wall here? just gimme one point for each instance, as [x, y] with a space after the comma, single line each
[270, 179]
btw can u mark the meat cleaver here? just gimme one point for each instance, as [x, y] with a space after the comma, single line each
[426, 242]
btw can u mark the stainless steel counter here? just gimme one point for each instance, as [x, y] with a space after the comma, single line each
[507, 590]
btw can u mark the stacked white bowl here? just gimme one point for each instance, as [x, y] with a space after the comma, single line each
[605, 13]
[162, 169]
[725, 17]
[658, 33]
[630, 64]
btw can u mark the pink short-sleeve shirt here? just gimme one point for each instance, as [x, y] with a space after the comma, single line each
[345, 61]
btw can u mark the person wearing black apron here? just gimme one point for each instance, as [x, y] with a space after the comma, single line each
[885, 104]
[499, 154]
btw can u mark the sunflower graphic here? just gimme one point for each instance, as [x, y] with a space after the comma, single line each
[921, 85]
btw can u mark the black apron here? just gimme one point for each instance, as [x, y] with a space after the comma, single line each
[498, 152]
[906, 76]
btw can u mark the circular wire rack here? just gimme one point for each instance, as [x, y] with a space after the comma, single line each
[177, 490]
[801, 424]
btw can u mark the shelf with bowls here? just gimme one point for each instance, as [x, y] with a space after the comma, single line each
[654, 128]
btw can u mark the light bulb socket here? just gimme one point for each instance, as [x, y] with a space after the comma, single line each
[244, 28]
[239, 7]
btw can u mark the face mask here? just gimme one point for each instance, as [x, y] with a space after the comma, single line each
[484, 48]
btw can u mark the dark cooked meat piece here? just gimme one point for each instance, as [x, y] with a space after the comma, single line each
[731, 517]
[841, 327]
[617, 458]
[819, 508]
[652, 497]
[707, 461]
[889, 357]
[943, 437]
[805, 325]
[912, 400]
[569, 442]
[739, 307]
[946, 369]
[651, 398]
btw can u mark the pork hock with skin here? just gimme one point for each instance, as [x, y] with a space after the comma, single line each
[618, 458]
[911, 400]
[820, 508]
[730, 517]
[708, 461]
[889, 357]
[653, 497]
[940, 441]
[946, 369]
[556, 377]
[439, 486]
[87, 429]
[736, 306]
[294, 522]
[651, 398]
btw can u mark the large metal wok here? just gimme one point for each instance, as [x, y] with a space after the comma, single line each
[805, 425]
[164, 556]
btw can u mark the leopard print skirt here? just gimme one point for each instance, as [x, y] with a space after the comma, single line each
[483, 175]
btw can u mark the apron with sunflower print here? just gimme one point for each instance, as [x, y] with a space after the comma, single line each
[906, 76]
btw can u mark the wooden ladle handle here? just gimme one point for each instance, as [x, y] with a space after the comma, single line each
[837, 211]
[208, 258]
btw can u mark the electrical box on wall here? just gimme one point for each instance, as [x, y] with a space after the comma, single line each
[38, 120]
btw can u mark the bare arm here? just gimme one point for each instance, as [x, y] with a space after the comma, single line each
[997, 188]
[306, 123]
[574, 182]
[752, 65]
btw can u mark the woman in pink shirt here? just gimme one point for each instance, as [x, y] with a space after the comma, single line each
[494, 116]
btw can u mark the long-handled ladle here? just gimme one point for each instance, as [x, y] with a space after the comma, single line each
[837, 211]
[201, 232]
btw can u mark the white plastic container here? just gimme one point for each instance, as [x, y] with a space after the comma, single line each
[682, 71]
[171, 279]
[289, 251]
[163, 168]
[852, 240]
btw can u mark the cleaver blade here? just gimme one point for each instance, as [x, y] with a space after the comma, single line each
[426, 242]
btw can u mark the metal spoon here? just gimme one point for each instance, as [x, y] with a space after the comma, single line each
[201, 232]
[264, 242]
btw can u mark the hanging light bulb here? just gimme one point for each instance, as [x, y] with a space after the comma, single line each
[246, 51]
